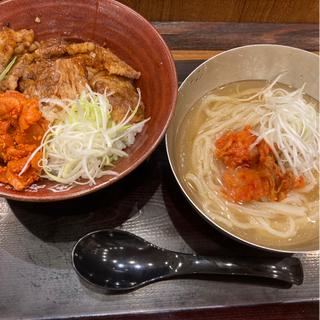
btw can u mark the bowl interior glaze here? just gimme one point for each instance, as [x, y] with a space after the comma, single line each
[128, 35]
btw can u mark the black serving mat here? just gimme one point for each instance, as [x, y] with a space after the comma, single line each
[37, 279]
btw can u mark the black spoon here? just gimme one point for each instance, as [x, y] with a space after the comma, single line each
[119, 260]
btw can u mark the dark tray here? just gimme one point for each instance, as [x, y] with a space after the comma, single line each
[37, 279]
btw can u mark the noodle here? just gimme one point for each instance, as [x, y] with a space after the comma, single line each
[216, 114]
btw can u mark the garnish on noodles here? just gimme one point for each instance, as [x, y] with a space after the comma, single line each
[249, 154]
[252, 173]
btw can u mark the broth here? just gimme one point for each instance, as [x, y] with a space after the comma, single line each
[219, 209]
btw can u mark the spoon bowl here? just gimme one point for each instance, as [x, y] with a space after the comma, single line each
[119, 260]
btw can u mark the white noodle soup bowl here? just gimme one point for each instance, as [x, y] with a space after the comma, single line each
[253, 62]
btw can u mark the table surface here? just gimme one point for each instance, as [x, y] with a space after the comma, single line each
[36, 276]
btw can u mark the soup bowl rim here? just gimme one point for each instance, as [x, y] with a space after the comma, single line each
[200, 211]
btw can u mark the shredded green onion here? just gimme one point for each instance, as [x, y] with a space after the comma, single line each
[82, 141]
[290, 122]
[286, 120]
[7, 68]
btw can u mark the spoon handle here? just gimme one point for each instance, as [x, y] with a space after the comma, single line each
[288, 269]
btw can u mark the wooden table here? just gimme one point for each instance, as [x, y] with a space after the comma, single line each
[36, 277]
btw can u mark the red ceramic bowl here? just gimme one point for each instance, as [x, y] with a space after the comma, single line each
[128, 35]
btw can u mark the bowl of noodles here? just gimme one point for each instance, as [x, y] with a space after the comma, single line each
[244, 145]
[87, 90]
